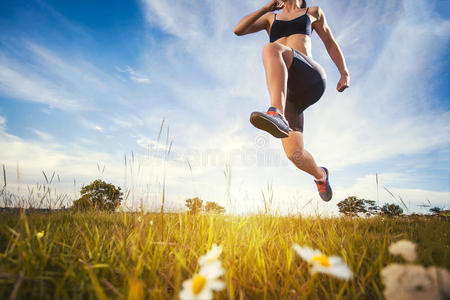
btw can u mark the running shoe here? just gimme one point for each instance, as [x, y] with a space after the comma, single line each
[272, 121]
[324, 187]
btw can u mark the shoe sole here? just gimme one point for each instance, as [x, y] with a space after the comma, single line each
[331, 196]
[331, 190]
[260, 121]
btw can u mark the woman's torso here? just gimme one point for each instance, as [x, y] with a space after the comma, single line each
[298, 41]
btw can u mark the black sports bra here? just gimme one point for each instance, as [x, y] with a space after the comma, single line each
[282, 28]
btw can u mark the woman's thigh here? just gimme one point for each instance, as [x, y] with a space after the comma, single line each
[306, 85]
[275, 48]
[306, 80]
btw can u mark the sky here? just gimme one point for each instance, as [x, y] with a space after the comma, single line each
[155, 97]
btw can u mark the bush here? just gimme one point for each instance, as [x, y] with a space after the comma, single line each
[352, 206]
[213, 207]
[99, 195]
[82, 204]
[195, 205]
[391, 210]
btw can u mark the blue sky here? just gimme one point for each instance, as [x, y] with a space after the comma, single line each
[84, 85]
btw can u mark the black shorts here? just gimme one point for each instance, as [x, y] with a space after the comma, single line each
[306, 84]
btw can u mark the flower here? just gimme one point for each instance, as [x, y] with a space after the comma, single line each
[404, 248]
[442, 277]
[408, 282]
[151, 222]
[139, 219]
[322, 263]
[202, 284]
[211, 256]
[40, 234]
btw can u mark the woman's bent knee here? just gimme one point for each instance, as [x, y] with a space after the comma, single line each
[271, 49]
[275, 50]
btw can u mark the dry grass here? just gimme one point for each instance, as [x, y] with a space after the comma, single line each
[100, 255]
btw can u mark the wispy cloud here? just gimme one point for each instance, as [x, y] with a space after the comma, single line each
[133, 75]
[91, 125]
[61, 19]
[45, 136]
[65, 81]
[22, 85]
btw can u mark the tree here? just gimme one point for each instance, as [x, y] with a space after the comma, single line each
[99, 195]
[195, 205]
[391, 210]
[82, 204]
[213, 207]
[351, 206]
[371, 207]
[435, 210]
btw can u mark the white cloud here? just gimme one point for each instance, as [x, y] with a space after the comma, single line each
[63, 20]
[91, 125]
[125, 121]
[2, 122]
[66, 81]
[133, 75]
[45, 136]
[31, 87]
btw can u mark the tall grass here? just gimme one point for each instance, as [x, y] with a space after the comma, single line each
[36, 196]
[101, 255]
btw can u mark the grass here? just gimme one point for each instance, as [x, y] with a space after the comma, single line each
[101, 255]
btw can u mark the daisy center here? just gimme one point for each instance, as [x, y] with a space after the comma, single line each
[322, 260]
[198, 283]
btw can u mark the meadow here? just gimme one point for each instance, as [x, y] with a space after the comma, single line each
[95, 255]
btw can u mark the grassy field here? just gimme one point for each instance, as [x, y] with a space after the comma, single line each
[125, 255]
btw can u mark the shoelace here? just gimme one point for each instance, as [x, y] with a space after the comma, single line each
[271, 112]
[322, 186]
[274, 113]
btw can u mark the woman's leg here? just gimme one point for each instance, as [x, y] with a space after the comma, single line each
[302, 159]
[277, 59]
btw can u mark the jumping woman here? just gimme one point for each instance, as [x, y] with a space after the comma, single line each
[294, 80]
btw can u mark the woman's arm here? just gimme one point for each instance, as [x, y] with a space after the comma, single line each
[257, 20]
[333, 49]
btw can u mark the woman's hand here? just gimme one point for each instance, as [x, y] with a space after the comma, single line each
[274, 5]
[343, 83]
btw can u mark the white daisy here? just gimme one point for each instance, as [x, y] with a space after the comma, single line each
[210, 257]
[212, 270]
[202, 285]
[322, 263]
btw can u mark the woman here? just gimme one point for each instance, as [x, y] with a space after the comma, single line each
[294, 80]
